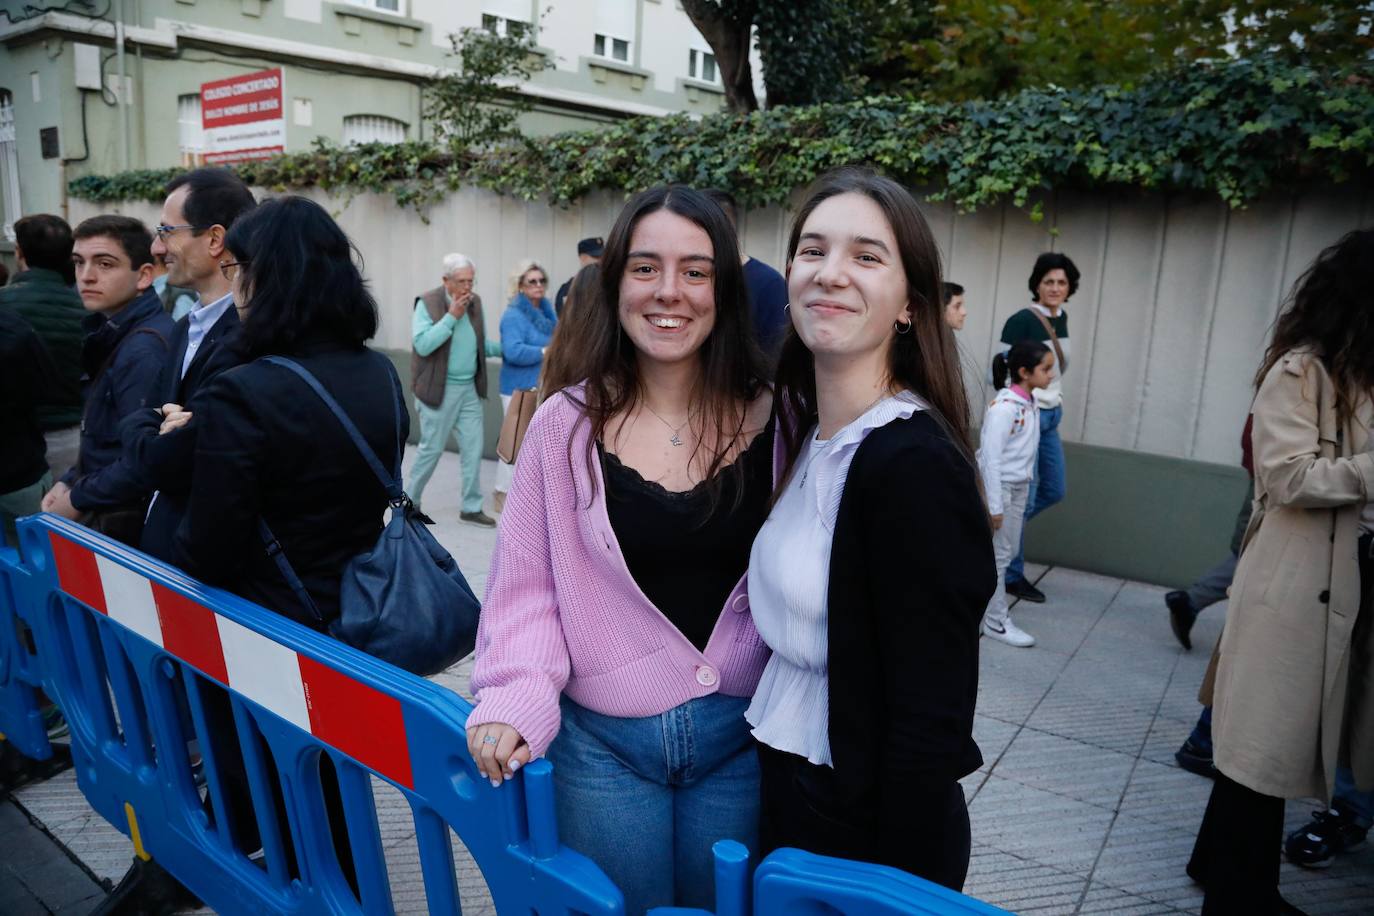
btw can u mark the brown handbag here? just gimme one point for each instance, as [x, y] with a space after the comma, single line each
[522, 404]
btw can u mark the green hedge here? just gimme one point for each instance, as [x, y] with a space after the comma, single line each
[1235, 130]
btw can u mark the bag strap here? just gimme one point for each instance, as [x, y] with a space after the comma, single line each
[274, 550]
[1054, 339]
[390, 482]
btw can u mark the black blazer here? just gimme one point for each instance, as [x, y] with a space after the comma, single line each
[911, 572]
[164, 463]
[268, 446]
[173, 387]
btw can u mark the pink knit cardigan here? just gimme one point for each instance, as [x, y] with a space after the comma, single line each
[563, 614]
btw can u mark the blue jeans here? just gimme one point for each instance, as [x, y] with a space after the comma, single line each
[646, 798]
[1047, 487]
[1360, 804]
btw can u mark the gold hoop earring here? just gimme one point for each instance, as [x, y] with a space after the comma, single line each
[901, 328]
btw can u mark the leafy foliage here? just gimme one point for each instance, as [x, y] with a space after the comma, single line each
[1236, 131]
[809, 48]
[476, 105]
[964, 49]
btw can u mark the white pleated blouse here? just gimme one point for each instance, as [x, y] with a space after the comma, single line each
[789, 579]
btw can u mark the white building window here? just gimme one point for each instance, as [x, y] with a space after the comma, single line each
[386, 6]
[614, 29]
[701, 65]
[500, 25]
[372, 129]
[190, 136]
[612, 47]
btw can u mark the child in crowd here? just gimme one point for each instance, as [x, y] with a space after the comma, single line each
[1006, 458]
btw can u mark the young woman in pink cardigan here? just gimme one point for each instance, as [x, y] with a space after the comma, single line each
[616, 636]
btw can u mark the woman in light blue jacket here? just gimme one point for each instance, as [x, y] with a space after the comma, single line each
[526, 328]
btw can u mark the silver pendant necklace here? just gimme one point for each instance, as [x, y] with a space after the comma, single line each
[675, 439]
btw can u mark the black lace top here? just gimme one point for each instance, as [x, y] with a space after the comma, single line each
[685, 557]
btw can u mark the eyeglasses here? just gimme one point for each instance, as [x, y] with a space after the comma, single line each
[537, 281]
[164, 230]
[230, 269]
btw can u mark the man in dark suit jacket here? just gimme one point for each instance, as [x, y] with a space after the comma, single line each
[201, 205]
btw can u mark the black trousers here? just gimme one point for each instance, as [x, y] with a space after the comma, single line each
[1236, 855]
[801, 806]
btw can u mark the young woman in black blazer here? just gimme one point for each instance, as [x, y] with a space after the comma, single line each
[870, 577]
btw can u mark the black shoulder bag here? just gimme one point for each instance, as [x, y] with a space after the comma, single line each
[405, 601]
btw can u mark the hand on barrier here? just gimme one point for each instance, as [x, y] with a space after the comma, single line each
[498, 750]
[59, 502]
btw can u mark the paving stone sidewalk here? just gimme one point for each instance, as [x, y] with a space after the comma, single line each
[1079, 807]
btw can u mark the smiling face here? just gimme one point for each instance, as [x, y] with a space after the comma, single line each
[1053, 289]
[846, 281]
[191, 259]
[667, 292]
[105, 277]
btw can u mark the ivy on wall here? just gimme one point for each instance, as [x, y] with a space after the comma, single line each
[1236, 131]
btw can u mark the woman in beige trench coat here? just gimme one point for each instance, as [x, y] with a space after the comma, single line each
[1291, 684]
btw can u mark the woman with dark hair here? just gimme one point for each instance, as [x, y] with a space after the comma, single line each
[560, 360]
[1292, 679]
[1053, 279]
[616, 616]
[869, 579]
[268, 447]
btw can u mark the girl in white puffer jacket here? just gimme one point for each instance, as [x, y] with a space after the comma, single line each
[1006, 460]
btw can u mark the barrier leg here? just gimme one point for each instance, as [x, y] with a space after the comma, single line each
[436, 862]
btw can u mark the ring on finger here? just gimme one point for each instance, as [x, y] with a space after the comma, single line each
[489, 739]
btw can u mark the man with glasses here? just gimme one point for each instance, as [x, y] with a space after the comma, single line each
[123, 352]
[449, 379]
[200, 207]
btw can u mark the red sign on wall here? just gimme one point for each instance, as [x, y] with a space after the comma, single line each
[244, 117]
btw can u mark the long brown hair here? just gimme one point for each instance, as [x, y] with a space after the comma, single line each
[595, 351]
[924, 361]
[1331, 310]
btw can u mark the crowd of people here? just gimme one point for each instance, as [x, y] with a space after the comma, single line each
[709, 603]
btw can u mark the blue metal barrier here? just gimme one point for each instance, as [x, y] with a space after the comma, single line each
[138, 656]
[21, 715]
[234, 745]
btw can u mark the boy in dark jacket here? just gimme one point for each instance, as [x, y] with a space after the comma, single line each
[122, 354]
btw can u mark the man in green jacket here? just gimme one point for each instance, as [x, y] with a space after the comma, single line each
[41, 295]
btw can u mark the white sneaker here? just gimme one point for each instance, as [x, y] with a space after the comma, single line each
[1008, 633]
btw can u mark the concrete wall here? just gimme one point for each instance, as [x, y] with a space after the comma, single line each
[1168, 327]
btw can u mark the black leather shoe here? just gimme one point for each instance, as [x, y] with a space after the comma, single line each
[1195, 760]
[1182, 616]
[1022, 589]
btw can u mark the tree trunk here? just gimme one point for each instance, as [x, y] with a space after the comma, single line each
[727, 26]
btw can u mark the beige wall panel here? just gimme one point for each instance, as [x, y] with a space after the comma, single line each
[973, 262]
[1251, 275]
[1116, 372]
[1193, 243]
[1081, 222]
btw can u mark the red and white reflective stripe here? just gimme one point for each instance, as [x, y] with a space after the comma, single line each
[362, 721]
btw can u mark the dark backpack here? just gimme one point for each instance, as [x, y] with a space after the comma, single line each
[405, 601]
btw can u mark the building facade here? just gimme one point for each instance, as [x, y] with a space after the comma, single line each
[352, 71]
